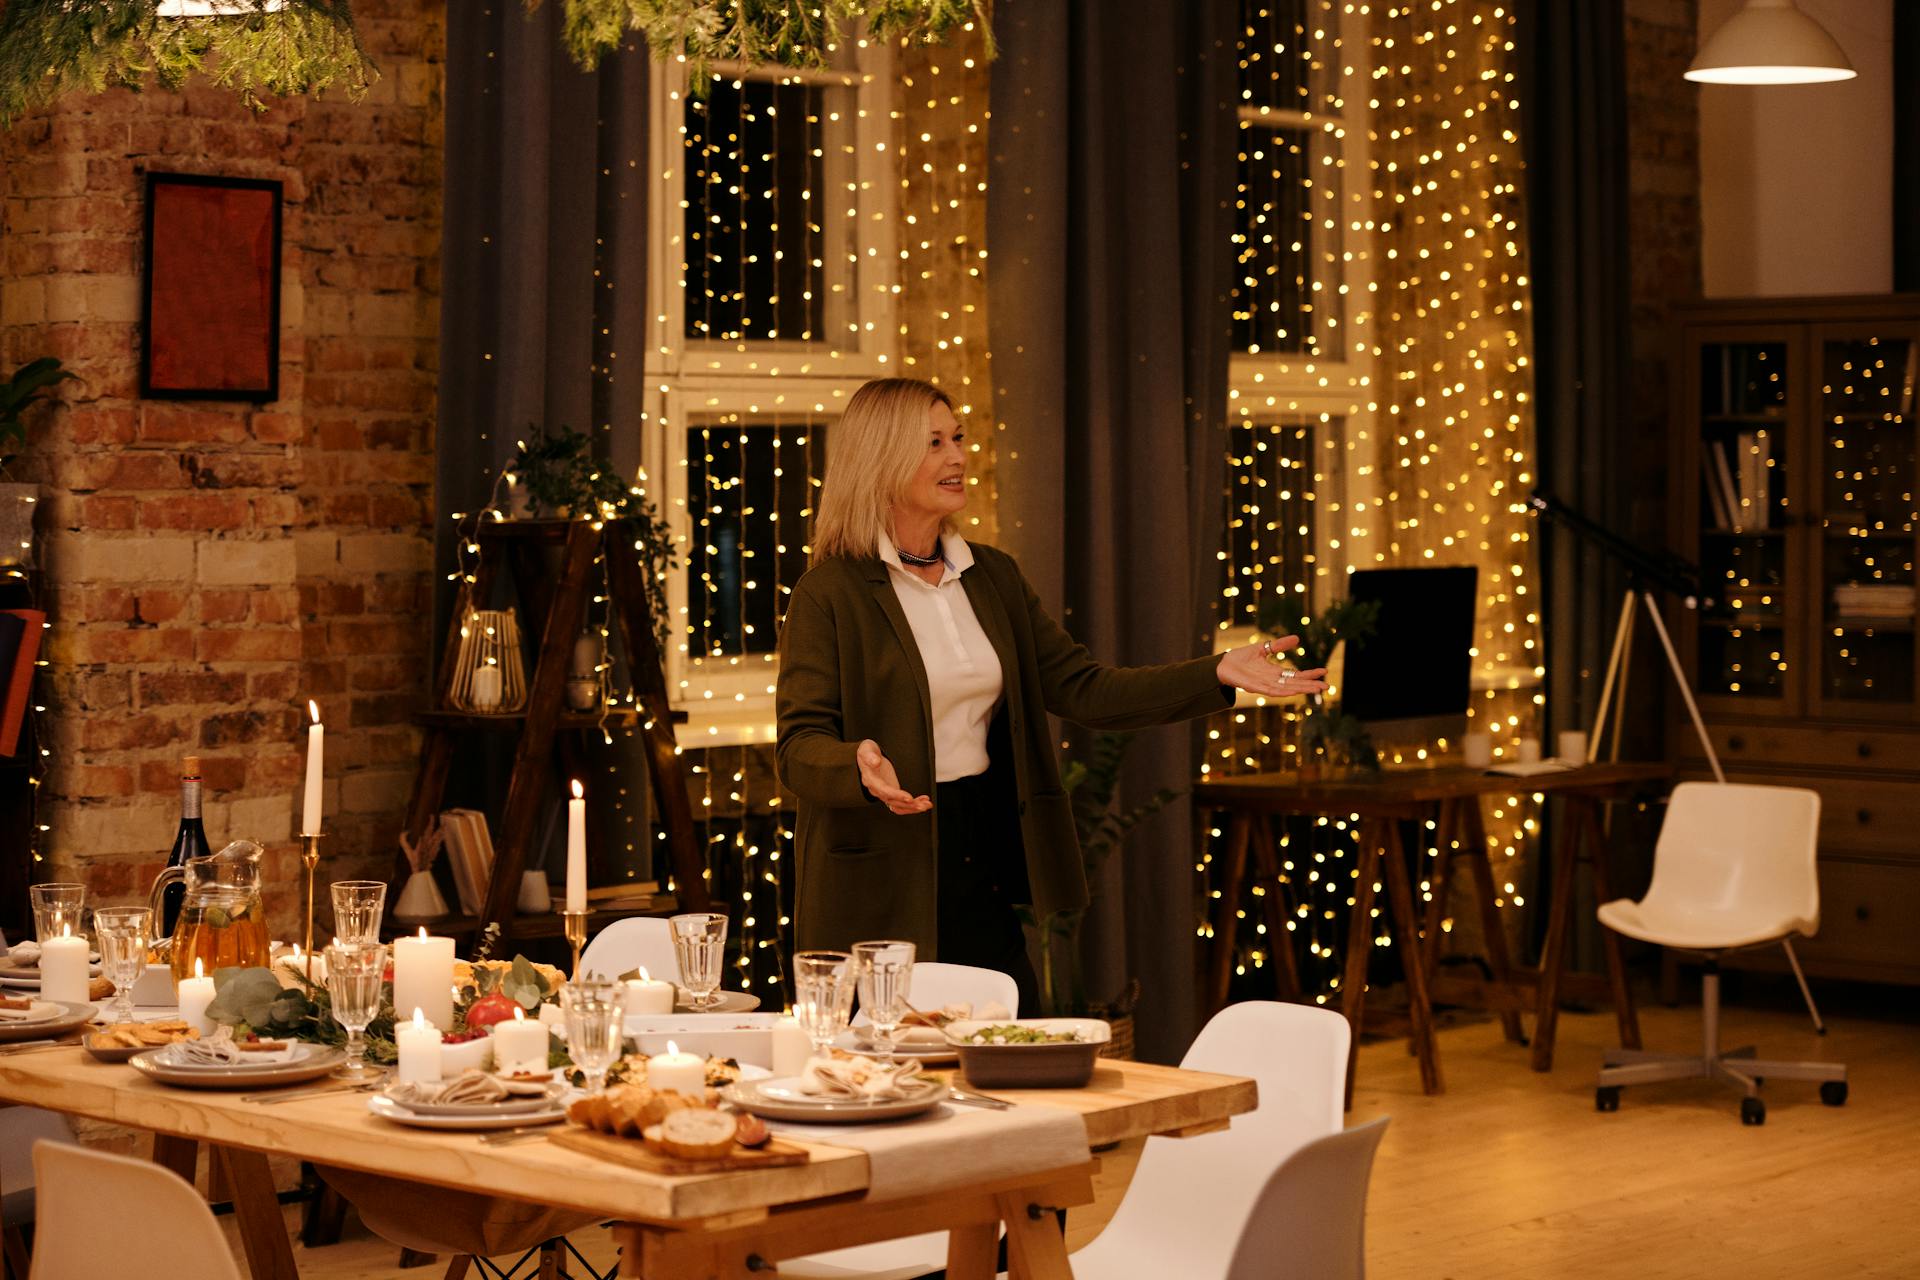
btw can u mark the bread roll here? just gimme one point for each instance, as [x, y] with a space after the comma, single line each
[694, 1133]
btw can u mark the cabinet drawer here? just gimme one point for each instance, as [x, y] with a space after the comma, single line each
[1867, 914]
[1870, 817]
[1809, 746]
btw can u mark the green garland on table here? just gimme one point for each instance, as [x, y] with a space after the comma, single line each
[258, 47]
[788, 33]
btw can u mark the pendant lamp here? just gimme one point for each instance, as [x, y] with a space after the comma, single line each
[1770, 42]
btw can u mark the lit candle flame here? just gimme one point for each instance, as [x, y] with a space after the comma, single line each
[519, 1014]
[66, 931]
[579, 792]
[199, 970]
[423, 931]
[643, 974]
[672, 1048]
[419, 1019]
[313, 709]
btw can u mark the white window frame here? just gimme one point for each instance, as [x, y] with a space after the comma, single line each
[730, 700]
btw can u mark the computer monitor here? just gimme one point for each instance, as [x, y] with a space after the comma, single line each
[1412, 678]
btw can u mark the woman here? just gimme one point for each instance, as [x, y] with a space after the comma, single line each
[917, 672]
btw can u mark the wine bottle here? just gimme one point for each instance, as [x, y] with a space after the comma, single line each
[189, 842]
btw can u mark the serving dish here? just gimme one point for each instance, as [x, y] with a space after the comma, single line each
[1064, 1064]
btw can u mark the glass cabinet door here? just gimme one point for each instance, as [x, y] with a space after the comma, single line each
[1743, 653]
[1866, 480]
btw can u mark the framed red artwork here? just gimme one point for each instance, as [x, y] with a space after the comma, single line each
[211, 308]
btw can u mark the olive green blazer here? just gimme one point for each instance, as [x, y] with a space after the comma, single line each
[850, 670]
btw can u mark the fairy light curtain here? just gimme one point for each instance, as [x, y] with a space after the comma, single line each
[1399, 429]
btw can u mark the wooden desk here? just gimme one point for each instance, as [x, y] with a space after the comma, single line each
[707, 1225]
[1382, 801]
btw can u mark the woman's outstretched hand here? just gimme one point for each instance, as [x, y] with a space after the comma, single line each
[883, 784]
[1259, 668]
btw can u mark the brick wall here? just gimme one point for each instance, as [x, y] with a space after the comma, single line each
[210, 566]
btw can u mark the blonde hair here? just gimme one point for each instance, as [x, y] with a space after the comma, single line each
[872, 454]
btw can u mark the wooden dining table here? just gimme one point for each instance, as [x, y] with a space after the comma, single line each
[698, 1227]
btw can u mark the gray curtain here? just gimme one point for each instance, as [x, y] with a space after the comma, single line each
[1109, 220]
[546, 185]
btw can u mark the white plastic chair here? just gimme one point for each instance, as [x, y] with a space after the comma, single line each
[1312, 1214]
[20, 1128]
[936, 985]
[95, 1207]
[1191, 1198]
[1733, 869]
[638, 942]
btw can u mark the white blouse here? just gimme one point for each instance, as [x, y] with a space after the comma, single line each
[963, 671]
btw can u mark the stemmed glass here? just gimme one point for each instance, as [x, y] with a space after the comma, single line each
[123, 935]
[823, 983]
[357, 906]
[886, 973]
[56, 908]
[356, 974]
[596, 1016]
[700, 945]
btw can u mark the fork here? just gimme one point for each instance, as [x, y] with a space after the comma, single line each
[527, 1133]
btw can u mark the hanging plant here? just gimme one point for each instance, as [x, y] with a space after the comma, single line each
[254, 47]
[788, 33]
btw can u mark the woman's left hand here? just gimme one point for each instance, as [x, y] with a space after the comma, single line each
[1258, 669]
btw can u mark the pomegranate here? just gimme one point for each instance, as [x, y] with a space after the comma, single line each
[489, 1009]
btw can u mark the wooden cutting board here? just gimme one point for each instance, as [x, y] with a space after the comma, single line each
[637, 1154]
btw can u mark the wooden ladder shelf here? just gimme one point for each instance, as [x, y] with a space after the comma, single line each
[555, 607]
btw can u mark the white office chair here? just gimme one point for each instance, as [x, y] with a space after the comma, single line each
[1733, 870]
[638, 942]
[102, 1212]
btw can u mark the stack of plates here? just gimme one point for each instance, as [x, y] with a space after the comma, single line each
[782, 1099]
[44, 1020]
[860, 1040]
[545, 1107]
[299, 1063]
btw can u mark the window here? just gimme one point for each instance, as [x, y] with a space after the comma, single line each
[772, 293]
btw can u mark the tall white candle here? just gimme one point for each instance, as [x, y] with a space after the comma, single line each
[195, 994]
[577, 849]
[310, 814]
[423, 977]
[63, 968]
[520, 1046]
[419, 1045]
[681, 1072]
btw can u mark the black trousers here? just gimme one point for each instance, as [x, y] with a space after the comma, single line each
[983, 874]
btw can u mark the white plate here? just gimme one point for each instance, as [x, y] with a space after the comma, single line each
[781, 1099]
[309, 1062]
[724, 1002]
[39, 1011]
[28, 979]
[512, 1105]
[70, 1016]
[933, 1055]
[387, 1109]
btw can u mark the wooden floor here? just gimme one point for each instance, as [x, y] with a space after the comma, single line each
[1513, 1174]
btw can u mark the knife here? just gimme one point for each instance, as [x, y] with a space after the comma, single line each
[975, 1099]
[505, 1136]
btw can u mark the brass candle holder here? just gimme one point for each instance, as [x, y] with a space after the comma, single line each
[575, 925]
[310, 859]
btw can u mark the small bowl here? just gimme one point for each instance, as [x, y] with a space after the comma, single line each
[1061, 1065]
[468, 1055]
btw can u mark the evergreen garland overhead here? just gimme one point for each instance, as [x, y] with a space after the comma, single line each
[255, 47]
[791, 33]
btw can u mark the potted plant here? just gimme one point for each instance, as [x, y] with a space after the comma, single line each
[1102, 828]
[26, 387]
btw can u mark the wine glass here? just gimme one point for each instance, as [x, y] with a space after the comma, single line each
[595, 1015]
[823, 983]
[886, 973]
[357, 906]
[700, 944]
[356, 974]
[123, 935]
[56, 908]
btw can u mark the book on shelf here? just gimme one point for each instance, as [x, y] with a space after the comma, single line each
[1716, 501]
[1730, 496]
[470, 855]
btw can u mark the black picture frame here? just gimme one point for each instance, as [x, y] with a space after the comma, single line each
[201, 258]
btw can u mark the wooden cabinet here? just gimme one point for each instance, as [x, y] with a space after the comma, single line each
[1797, 492]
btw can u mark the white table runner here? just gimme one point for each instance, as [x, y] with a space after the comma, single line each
[952, 1145]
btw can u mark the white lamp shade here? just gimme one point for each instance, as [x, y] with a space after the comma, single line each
[1770, 42]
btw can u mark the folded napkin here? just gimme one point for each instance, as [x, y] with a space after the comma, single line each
[860, 1078]
[471, 1087]
[20, 1015]
[219, 1050]
[22, 956]
[954, 1146]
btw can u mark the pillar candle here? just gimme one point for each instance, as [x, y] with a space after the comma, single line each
[423, 977]
[791, 1048]
[194, 995]
[681, 1072]
[316, 734]
[419, 1045]
[577, 849]
[647, 995]
[485, 693]
[63, 969]
[520, 1046]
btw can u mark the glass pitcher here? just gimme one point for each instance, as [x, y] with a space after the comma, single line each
[223, 922]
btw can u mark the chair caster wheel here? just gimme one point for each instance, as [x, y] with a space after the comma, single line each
[1753, 1111]
[1833, 1092]
[1606, 1098]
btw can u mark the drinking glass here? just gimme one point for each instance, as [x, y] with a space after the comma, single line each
[56, 908]
[123, 935]
[886, 973]
[357, 905]
[595, 1015]
[700, 945]
[356, 974]
[823, 983]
